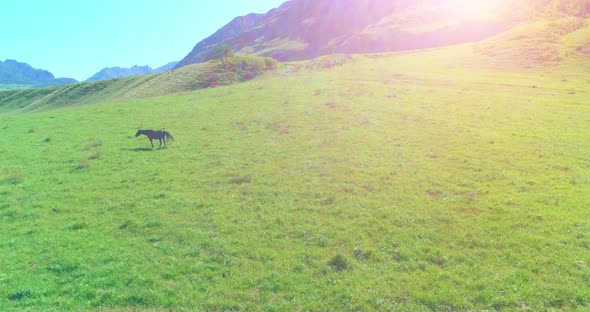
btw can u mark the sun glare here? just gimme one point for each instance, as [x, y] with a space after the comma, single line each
[472, 8]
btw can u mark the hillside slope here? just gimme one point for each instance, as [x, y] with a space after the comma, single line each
[302, 29]
[556, 42]
[542, 42]
[188, 78]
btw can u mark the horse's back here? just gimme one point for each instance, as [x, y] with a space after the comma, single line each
[158, 134]
[155, 134]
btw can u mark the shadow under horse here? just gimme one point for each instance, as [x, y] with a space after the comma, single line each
[160, 135]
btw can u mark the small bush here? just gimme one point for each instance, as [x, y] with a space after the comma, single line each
[234, 69]
[223, 51]
[253, 65]
[270, 63]
[338, 263]
[20, 295]
[329, 61]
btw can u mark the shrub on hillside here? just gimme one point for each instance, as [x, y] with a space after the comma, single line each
[329, 61]
[222, 51]
[235, 69]
[253, 64]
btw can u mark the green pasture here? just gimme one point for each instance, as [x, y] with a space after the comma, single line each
[395, 182]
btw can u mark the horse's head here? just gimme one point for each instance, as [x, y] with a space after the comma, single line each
[138, 133]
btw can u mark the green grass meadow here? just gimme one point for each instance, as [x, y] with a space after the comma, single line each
[425, 181]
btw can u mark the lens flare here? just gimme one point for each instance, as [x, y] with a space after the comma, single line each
[472, 8]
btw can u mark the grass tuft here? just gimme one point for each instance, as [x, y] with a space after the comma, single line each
[62, 268]
[11, 176]
[83, 164]
[362, 255]
[240, 179]
[93, 144]
[338, 263]
[76, 226]
[21, 295]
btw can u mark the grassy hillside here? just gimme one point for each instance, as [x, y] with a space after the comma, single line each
[433, 180]
[553, 42]
[540, 42]
[9, 87]
[198, 76]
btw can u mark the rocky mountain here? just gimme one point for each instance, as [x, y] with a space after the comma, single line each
[164, 68]
[119, 72]
[13, 72]
[301, 29]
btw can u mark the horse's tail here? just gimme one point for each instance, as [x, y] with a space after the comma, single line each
[168, 136]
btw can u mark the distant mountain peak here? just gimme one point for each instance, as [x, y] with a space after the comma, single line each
[121, 72]
[13, 72]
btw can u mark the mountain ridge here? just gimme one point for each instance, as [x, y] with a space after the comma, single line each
[304, 29]
[13, 72]
[122, 72]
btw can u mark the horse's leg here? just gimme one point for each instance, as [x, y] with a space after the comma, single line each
[152, 143]
[160, 143]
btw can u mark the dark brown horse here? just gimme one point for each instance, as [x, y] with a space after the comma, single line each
[160, 135]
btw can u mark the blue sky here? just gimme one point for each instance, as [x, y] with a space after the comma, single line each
[77, 38]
